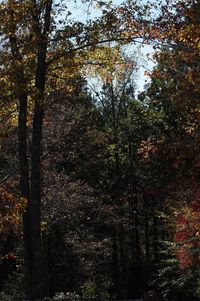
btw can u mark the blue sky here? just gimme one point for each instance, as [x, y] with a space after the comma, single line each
[81, 12]
[144, 65]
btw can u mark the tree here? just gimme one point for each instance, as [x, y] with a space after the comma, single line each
[187, 234]
[171, 152]
[42, 61]
[32, 43]
[31, 190]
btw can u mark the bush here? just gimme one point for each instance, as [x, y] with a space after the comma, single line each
[13, 290]
[67, 296]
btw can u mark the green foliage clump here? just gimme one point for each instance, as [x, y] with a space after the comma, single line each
[173, 283]
[14, 288]
[88, 289]
[66, 296]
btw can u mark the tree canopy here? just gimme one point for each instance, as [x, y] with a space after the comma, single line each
[99, 184]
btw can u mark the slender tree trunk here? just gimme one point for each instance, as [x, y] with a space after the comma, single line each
[21, 91]
[115, 265]
[123, 266]
[119, 256]
[133, 209]
[137, 234]
[147, 246]
[24, 187]
[155, 239]
[37, 256]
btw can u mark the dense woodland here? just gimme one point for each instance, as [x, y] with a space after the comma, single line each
[99, 183]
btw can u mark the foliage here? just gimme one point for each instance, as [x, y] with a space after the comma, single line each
[100, 192]
[170, 154]
[66, 296]
[14, 289]
[187, 237]
[11, 210]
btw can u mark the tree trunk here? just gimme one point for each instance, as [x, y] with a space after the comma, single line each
[38, 277]
[155, 238]
[21, 91]
[123, 265]
[133, 208]
[147, 248]
[35, 203]
[115, 265]
[25, 191]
